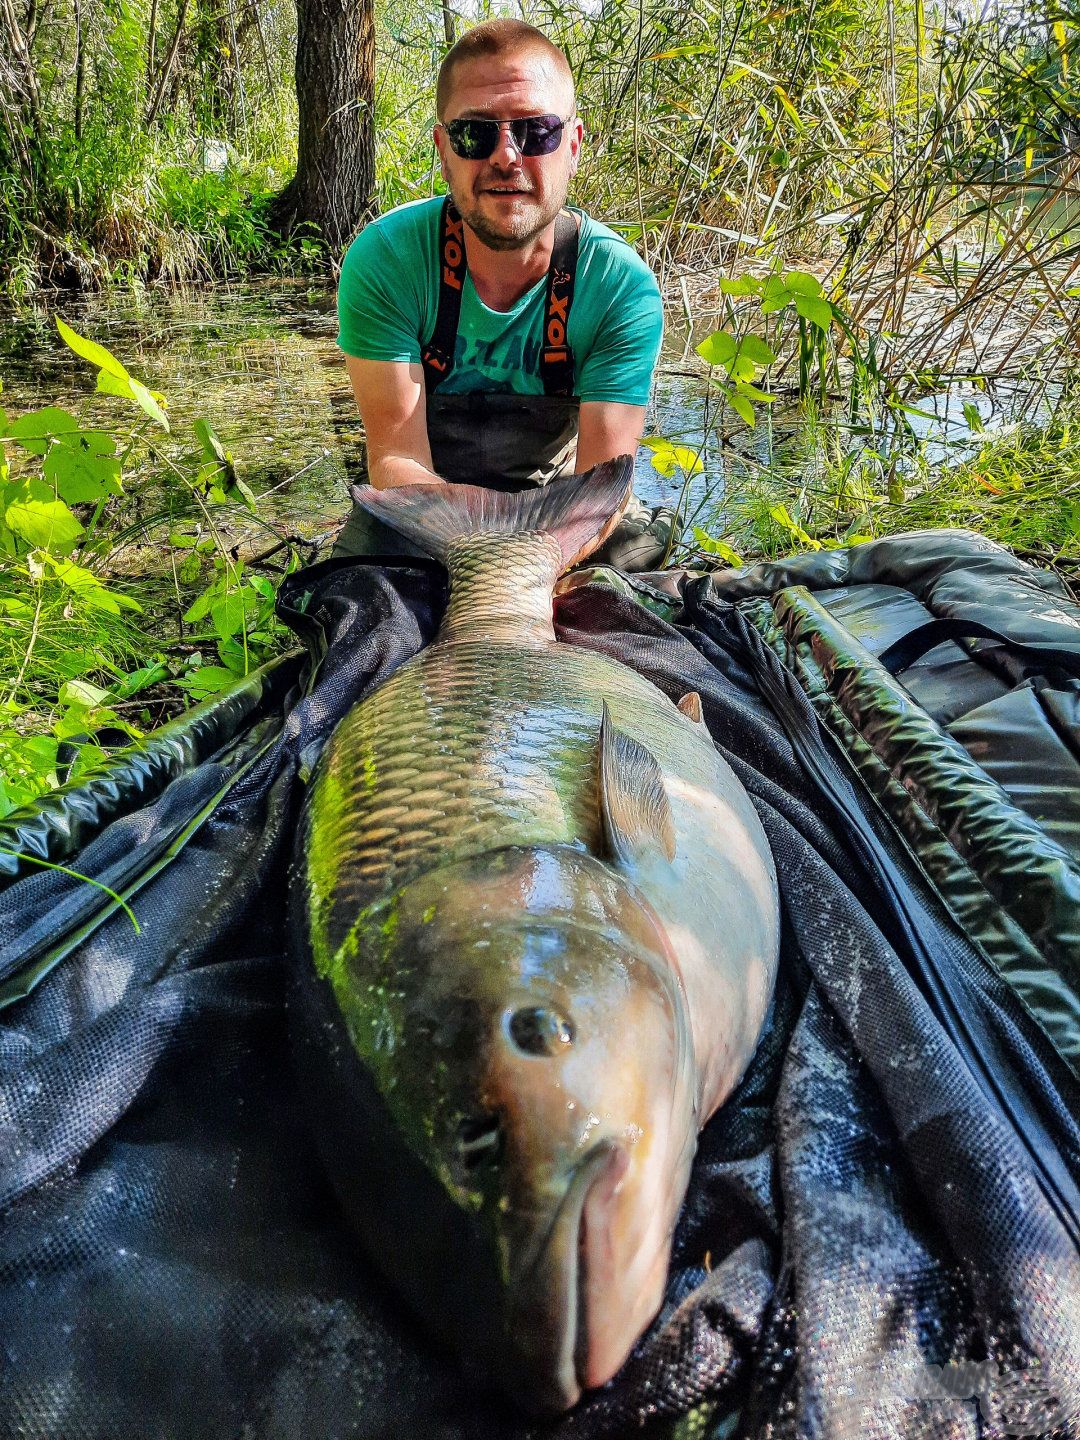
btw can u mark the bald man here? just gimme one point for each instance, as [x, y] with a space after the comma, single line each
[495, 337]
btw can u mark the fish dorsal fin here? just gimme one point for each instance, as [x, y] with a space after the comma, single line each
[634, 808]
[577, 511]
[690, 705]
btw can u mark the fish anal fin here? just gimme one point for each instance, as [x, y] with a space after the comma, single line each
[690, 705]
[634, 808]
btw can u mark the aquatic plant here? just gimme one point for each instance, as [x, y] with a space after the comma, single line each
[92, 656]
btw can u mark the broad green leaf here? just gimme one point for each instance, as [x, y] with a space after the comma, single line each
[83, 466]
[230, 614]
[44, 524]
[207, 680]
[239, 492]
[182, 540]
[711, 546]
[150, 401]
[743, 285]
[81, 692]
[717, 348]
[89, 350]
[743, 407]
[36, 432]
[667, 455]
[775, 295]
[111, 601]
[818, 312]
[761, 397]
[201, 606]
[189, 570]
[90, 589]
[140, 679]
[799, 282]
[741, 369]
[756, 349]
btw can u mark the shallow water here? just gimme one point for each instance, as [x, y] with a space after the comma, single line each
[260, 362]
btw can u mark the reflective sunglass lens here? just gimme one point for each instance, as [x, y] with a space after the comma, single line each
[477, 139]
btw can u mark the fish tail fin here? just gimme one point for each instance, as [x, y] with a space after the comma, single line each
[578, 511]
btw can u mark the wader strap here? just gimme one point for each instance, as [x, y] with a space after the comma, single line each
[556, 363]
[437, 356]
[556, 357]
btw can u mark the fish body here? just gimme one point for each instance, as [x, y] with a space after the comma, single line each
[538, 927]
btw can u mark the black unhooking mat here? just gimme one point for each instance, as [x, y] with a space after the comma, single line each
[881, 1233]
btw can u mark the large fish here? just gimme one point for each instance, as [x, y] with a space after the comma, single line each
[538, 927]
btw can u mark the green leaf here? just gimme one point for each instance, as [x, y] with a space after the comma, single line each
[89, 350]
[742, 407]
[239, 492]
[780, 514]
[207, 680]
[717, 348]
[799, 282]
[200, 607]
[741, 369]
[666, 456]
[189, 569]
[756, 349]
[215, 457]
[81, 692]
[44, 524]
[36, 432]
[710, 546]
[744, 285]
[680, 50]
[775, 295]
[818, 312]
[228, 614]
[150, 401]
[762, 397]
[83, 466]
[140, 679]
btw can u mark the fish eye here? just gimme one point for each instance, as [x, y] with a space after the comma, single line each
[540, 1031]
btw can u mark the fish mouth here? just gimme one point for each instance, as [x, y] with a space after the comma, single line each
[553, 1308]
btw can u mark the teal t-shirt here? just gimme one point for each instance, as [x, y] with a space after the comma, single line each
[389, 296]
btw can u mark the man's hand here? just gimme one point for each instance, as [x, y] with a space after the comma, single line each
[606, 430]
[391, 398]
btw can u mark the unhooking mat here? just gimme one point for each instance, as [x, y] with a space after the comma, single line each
[881, 1232]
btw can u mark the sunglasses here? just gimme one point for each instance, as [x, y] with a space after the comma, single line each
[477, 139]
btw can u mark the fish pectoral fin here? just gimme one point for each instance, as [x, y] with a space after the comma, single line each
[635, 811]
[690, 705]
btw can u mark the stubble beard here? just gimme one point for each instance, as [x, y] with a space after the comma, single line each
[519, 231]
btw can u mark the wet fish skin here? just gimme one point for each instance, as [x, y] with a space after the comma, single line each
[542, 922]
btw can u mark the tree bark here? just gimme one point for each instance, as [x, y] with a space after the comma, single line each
[334, 185]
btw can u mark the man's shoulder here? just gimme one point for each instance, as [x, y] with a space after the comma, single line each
[406, 228]
[612, 257]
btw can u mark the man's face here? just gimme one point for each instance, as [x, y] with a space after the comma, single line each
[507, 199]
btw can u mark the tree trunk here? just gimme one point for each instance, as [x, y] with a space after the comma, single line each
[334, 185]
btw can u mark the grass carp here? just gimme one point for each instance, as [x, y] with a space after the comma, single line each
[538, 925]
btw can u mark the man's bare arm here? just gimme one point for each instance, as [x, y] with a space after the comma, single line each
[606, 429]
[391, 399]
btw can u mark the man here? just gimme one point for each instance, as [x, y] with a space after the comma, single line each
[495, 338]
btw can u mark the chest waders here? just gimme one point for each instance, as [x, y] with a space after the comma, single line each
[498, 440]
